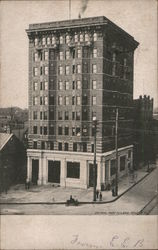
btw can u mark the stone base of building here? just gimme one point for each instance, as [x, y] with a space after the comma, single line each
[75, 169]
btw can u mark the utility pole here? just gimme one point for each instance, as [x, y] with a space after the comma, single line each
[94, 164]
[116, 148]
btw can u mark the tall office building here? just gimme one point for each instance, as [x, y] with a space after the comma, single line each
[79, 70]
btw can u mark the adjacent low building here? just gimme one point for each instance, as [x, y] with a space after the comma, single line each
[80, 70]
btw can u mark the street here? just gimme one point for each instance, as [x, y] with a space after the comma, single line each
[132, 202]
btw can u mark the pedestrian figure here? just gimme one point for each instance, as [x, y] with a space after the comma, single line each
[97, 194]
[100, 196]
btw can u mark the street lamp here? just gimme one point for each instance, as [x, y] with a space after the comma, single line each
[116, 148]
[94, 164]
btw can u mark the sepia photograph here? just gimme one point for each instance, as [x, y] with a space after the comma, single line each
[79, 113]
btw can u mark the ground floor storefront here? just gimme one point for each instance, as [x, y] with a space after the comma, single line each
[75, 169]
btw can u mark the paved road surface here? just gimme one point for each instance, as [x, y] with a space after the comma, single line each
[130, 203]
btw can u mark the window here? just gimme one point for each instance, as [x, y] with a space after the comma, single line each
[73, 69]
[78, 68]
[66, 146]
[60, 146]
[66, 130]
[85, 115]
[41, 115]
[60, 85]
[45, 115]
[67, 54]
[73, 170]
[81, 37]
[76, 38]
[46, 55]
[66, 100]
[60, 70]
[45, 100]
[42, 145]
[73, 84]
[114, 57]
[94, 115]
[51, 145]
[61, 55]
[95, 37]
[60, 115]
[94, 84]
[35, 130]
[41, 85]
[45, 130]
[48, 40]
[92, 148]
[85, 68]
[122, 163]
[41, 130]
[73, 115]
[75, 146]
[46, 70]
[51, 115]
[35, 86]
[35, 115]
[35, 144]
[35, 100]
[36, 41]
[113, 167]
[61, 39]
[67, 40]
[41, 100]
[73, 53]
[79, 53]
[94, 100]
[66, 85]
[60, 130]
[84, 147]
[53, 40]
[86, 37]
[43, 41]
[78, 100]
[125, 61]
[67, 70]
[36, 57]
[94, 68]
[35, 71]
[78, 131]
[78, 84]
[45, 85]
[84, 99]
[78, 115]
[51, 100]
[73, 100]
[73, 131]
[94, 53]
[66, 115]
[60, 100]
[114, 69]
[41, 70]
[84, 130]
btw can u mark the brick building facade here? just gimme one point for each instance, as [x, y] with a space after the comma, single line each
[79, 70]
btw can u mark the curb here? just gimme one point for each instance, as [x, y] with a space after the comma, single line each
[80, 202]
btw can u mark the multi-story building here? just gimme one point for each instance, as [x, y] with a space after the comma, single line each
[79, 70]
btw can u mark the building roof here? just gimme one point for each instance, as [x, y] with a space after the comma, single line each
[75, 23]
[4, 138]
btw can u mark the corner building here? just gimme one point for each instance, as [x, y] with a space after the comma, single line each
[79, 70]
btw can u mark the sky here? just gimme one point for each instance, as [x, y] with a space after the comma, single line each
[137, 17]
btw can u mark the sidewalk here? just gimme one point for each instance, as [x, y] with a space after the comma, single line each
[50, 194]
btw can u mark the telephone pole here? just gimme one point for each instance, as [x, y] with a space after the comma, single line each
[116, 148]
